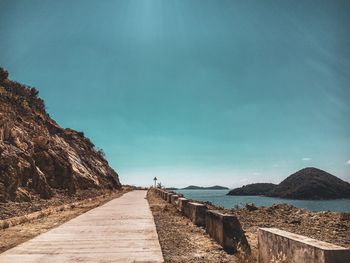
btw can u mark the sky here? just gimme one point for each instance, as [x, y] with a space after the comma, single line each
[197, 92]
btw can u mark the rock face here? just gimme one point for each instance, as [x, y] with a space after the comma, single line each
[308, 183]
[37, 155]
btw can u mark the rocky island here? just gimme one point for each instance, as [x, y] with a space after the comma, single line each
[253, 189]
[308, 183]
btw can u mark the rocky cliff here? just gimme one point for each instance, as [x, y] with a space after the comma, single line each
[37, 156]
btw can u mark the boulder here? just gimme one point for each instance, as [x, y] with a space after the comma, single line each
[251, 207]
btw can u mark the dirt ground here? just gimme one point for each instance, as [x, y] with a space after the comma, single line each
[332, 227]
[18, 234]
[180, 240]
[11, 209]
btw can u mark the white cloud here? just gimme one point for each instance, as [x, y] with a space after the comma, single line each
[306, 159]
[348, 162]
[256, 173]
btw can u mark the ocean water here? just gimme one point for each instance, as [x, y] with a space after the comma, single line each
[219, 197]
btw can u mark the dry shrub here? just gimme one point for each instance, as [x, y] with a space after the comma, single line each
[4, 224]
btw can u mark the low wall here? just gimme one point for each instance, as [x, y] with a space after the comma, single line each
[181, 204]
[275, 244]
[227, 231]
[166, 196]
[169, 197]
[174, 199]
[196, 212]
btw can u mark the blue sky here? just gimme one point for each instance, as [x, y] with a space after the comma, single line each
[193, 92]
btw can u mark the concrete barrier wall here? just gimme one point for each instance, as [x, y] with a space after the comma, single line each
[182, 203]
[196, 212]
[169, 198]
[227, 231]
[275, 244]
[174, 199]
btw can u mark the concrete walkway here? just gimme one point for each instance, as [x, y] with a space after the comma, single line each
[121, 230]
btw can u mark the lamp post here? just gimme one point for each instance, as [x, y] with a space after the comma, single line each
[155, 182]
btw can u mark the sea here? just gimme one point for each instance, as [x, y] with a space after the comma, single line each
[219, 197]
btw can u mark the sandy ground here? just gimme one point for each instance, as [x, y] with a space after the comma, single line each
[180, 240]
[15, 235]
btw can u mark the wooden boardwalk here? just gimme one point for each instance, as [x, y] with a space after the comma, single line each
[121, 230]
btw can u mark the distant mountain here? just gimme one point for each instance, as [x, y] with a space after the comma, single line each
[253, 189]
[308, 183]
[215, 187]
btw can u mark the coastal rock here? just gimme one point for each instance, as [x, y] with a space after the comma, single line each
[251, 207]
[37, 156]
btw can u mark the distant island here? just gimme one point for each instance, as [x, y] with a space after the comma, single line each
[253, 189]
[309, 183]
[215, 187]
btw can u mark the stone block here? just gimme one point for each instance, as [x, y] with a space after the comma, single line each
[169, 197]
[196, 212]
[227, 231]
[275, 244]
[181, 203]
[174, 199]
